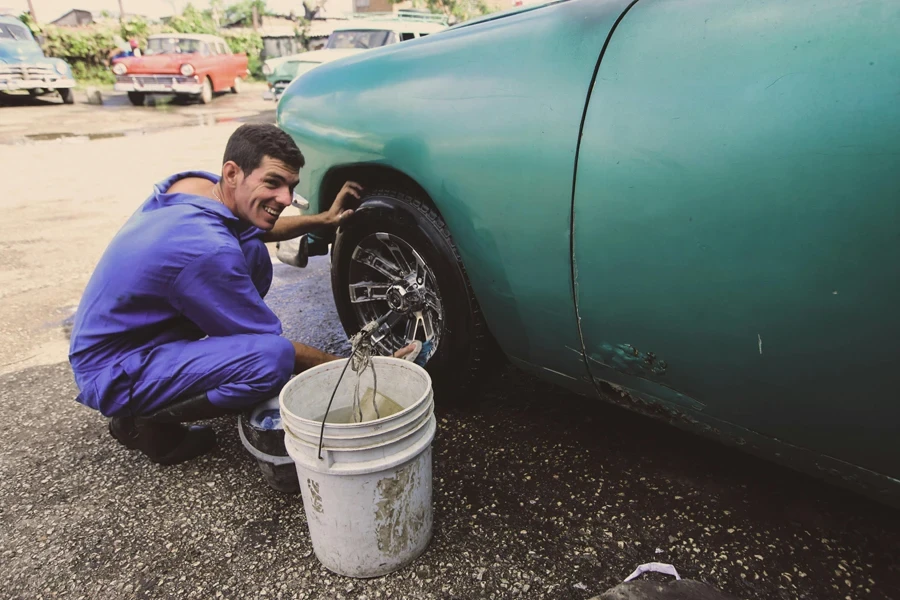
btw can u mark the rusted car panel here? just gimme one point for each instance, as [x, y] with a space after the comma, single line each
[735, 215]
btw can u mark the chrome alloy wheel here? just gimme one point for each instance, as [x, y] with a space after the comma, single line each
[389, 278]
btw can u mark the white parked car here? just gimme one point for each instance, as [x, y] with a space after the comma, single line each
[357, 35]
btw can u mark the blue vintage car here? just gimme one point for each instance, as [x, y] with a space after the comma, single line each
[689, 208]
[24, 67]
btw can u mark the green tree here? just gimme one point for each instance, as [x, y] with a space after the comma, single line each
[216, 11]
[242, 12]
[458, 10]
[29, 22]
[251, 44]
[136, 28]
[192, 20]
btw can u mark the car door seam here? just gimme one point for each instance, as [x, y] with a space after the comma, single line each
[574, 265]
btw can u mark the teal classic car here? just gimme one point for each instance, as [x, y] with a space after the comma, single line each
[687, 208]
[23, 66]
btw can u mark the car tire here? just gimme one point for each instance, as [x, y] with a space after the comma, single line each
[463, 343]
[236, 88]
[136, 98]
[67, 96]
[206, 94]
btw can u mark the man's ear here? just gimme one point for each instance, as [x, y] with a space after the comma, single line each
[231, 173]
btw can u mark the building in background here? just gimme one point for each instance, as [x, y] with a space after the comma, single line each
[379, 6]
[75, 18]
[280, 35]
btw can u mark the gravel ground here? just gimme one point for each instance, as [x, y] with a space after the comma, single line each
[538, 494]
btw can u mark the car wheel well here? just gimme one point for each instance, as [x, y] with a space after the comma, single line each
[370, 177]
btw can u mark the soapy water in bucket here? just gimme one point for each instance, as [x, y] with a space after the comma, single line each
[367, 410]
[363, 410]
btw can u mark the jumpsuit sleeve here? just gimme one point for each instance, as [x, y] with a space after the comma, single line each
[215, 291]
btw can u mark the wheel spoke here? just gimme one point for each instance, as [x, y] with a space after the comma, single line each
[395, 251]
[412, 327]
[421, 271]
[369, 258]
[432, 301]
[428, 325]
[368, 291]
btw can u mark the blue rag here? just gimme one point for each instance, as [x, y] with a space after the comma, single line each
[270, 419]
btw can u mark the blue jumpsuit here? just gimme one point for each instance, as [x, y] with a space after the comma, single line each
[175, 308]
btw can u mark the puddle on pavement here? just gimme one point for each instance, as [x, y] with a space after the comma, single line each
[66, 323]
[202, 120]
[49, 137]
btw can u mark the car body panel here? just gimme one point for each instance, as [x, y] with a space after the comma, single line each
[751, 145]
[736, 237]
[161, 73]
[23, 65]
[400, 113]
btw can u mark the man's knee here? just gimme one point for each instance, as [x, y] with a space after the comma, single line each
[266, 368]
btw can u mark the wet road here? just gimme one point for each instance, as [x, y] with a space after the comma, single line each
[538, 493]
[24, 119]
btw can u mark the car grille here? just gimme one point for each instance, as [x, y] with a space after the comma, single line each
[19, 72]
[154, 79]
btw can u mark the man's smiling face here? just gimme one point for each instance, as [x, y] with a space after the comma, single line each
[260, 196]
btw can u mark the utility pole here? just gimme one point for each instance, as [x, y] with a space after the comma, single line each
[255, 17]
[31, 10]
[121, 12]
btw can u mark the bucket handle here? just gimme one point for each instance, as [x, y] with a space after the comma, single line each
[275, 460]
[328, 408]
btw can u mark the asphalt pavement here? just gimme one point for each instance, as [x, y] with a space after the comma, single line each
[538, 494]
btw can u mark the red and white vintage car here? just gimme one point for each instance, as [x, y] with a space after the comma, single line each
[194, 65]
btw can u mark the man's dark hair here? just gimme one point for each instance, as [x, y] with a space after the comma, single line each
[251, 142]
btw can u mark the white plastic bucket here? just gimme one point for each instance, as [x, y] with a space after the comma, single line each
[368, 499]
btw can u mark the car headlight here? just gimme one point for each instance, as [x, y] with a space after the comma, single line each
[62, 68]
[187, 70]
[119, 68]
[266, 69]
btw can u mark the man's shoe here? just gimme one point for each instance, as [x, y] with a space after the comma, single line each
[123, 430]
[186, 410]
[163, 443]
[195, 440]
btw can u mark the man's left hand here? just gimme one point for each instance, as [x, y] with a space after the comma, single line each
[404, 351]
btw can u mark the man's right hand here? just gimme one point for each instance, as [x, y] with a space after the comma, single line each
[339, 211]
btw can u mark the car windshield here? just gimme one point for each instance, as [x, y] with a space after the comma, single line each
[9, 31]
[357, 38]
[173, 46]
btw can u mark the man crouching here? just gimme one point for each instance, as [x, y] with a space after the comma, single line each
[172, 327]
